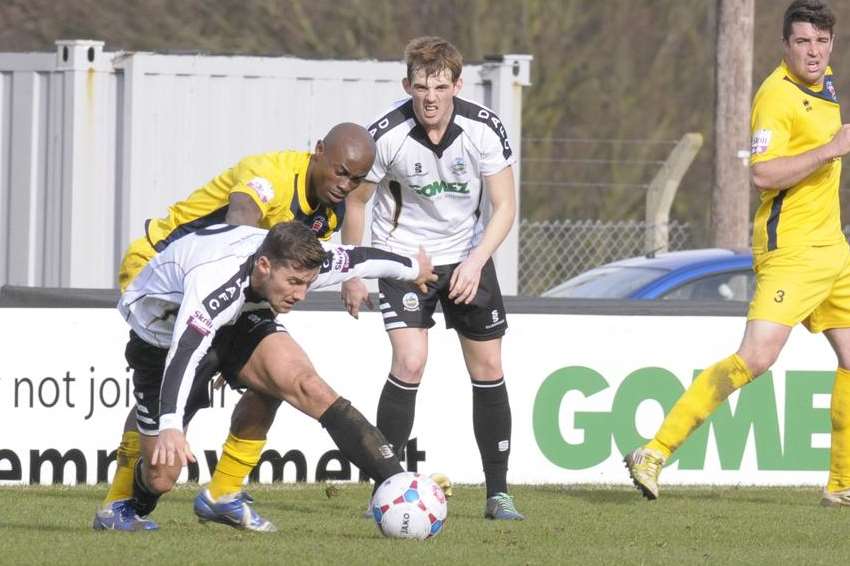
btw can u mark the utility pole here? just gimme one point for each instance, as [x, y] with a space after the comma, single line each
[730, 202]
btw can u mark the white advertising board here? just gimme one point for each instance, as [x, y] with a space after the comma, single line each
[583, 389]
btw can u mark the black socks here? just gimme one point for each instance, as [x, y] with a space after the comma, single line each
[491, 420]
[396, 410]
[359, 441]
[144, 500]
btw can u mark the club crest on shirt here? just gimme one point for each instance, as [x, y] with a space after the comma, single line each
[830, 88]
[262, 187]
[410, 302]
[458, 167]
[761, 141]
[318, 225]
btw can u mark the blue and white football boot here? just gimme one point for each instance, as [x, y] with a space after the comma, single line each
[121, 516]
[233, 510]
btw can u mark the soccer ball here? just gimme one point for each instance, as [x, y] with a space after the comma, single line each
[409, 505]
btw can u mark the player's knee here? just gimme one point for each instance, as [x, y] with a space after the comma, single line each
[313, 387]
[162, 479]
[486, 370]
[758, 362]
[409, 366]
[308, 389]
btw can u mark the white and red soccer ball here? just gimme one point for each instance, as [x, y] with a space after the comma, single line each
[409, 505]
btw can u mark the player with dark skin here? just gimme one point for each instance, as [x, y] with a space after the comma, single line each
[337, 165]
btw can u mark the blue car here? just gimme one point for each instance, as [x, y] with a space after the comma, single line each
[702, 275]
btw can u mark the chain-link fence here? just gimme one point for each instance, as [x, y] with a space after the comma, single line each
[553, 251]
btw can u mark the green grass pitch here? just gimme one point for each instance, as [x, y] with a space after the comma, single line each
[566, 525]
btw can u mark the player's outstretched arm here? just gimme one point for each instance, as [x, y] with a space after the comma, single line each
[345, 263]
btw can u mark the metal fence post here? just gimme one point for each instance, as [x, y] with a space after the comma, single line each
[508, 74]
[89, 101]
[662, 191]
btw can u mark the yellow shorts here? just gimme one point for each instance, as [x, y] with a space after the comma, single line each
[803, 284]
[135, 259]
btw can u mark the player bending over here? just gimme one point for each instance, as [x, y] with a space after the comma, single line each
[208, 304]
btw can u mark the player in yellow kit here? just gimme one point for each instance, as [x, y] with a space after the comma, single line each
[800, 255]
[260, 190]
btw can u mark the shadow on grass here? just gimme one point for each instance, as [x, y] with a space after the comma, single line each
[39, 527]
[595, 495]
[680, 495]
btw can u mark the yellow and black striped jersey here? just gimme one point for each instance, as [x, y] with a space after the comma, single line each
[789, 117]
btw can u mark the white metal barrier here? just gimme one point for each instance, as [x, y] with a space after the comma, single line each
[93, 142]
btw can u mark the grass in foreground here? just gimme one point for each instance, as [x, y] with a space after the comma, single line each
[566, 525]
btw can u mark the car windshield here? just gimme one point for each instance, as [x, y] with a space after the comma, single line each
[610, 282]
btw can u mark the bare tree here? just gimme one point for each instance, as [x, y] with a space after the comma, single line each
[730, 201]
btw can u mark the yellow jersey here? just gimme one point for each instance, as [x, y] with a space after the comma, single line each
[276, 182]
[790, 118]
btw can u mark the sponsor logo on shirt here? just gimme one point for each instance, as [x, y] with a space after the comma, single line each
[410, 302]
[341, 261]
[262, 187]
[761, 141]
[200, 323]
[440, 187]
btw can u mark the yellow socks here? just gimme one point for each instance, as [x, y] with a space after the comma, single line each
[839, 454]
[238, 458]
[128, 454]
[706, 393]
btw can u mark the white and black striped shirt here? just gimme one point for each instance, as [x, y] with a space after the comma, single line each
[430, 194]
[201, 283]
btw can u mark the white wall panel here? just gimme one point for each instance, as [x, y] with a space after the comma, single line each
[93, 143]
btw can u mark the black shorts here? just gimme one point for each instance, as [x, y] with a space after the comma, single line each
[403, 306]
[230, 350]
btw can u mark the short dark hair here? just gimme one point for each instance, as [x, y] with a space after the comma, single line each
[433, 55]
[292, 244]
[815, 12]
